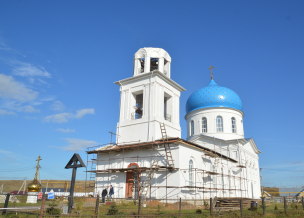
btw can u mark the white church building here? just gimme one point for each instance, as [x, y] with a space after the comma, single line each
[149, 157]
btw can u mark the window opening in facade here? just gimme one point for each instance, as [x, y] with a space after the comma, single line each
[192, 128]
[166, 68]
[142, 65]
[233, 123]
[154, 64]
[204, 124]
[191, 173]
[219, 124]
[167, 116]
[138, 106]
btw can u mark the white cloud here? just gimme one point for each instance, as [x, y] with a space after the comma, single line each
[8, 155]
[29, 109]
[11, 89]
[76, 144]
[4, 112]
[81, 113]
[57, 106]
[28, 70]
[64, 117]
[59, 118]
[17, 106]
[43, 82]
[5, 47]
[66, 130]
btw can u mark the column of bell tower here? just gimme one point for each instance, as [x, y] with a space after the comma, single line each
[148, 98]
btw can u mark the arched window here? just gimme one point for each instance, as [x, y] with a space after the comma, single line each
[191, 173]
[233, 123]
[204, 124]
[219, 124]
[192, 128]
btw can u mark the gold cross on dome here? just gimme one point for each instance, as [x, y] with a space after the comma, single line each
[37, 167]
[211, 67]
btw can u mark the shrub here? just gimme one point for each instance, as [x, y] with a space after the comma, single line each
[206, 204]
[199, 211]
[113, 210]
[79, 204]
[294, 206]
[158, 209]
[52, 210]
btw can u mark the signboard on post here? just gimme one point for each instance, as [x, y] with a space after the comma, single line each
[40, 195]
[51, 195]
[73, 163]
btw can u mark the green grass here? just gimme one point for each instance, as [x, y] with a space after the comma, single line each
[130, 209]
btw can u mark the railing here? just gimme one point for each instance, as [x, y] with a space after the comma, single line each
[167, 117]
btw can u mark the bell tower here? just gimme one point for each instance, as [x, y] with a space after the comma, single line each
[148, 98]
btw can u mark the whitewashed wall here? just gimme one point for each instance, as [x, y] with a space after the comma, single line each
[182, 155]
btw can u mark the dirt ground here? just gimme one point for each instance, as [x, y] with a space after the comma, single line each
[185, 205]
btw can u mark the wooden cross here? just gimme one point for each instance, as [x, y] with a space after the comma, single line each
[211, 67]
[74, 165]
[37, 167]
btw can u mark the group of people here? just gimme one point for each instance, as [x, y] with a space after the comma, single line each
[105, 193]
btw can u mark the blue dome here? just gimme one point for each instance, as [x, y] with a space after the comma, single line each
[213, 95]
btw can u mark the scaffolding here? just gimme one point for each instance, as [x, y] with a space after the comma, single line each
[216, 156]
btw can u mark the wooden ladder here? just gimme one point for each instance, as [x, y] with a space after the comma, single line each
[146, 187]
[166, 145]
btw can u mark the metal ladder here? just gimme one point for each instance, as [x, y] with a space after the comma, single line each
[92, 173]
[146, 187]
[166, 145]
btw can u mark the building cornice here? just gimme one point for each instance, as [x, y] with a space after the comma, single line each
[148, 75]
[231, 141]
[212, 108]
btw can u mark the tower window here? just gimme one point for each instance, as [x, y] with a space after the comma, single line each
[233, 123]
[142, 65]
[168, 106]
[219, 124]
[138, 107]
[192, 128]
[154, 64]
[204, 124]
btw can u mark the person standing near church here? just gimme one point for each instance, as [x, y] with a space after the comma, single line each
[103, 195]
[111, 192]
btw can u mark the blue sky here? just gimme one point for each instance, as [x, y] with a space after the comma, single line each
[59, 59]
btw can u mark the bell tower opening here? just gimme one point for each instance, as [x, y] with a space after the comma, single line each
[138, 98]
[142, 65]
[151, 59]
[154, 64]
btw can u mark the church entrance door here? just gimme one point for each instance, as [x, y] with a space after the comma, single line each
[132, 182]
